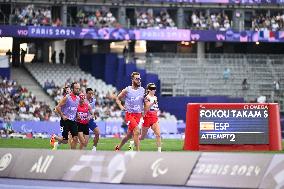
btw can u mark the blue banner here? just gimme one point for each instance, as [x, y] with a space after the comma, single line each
[46, 127]
[140, 34]
[106, 127]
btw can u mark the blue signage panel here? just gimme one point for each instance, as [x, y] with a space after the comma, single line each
[140, 34]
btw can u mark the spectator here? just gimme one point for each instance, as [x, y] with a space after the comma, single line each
[276, 86]
[57, 22]
[61, 57]
[276, 90]
[23, 54]
[226, 74]
[245, 84]
[46, 85]
[261, 99]
[53, 57]
[52, 84]
[125, 51]
[9, 54]
[7, 126]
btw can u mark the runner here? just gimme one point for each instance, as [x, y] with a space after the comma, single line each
[92, 124]
[151, 118]
[133, 96]
[54, 138]
[67, 109]
[83, 116]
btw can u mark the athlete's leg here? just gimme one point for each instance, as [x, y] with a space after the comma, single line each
[124, 140]
[86, 141]
[136, 138]
[56, 140]
[82, 140]
[69, 138]
[96, 138]
[86, 136]
[74, 132]
[156, 128]
[144, 132]
[74, 142]
[93, 127]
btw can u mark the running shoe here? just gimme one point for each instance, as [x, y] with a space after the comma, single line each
[116, 148]
[52, 140]
[131, 146]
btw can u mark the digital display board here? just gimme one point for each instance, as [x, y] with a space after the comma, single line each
[234, 126]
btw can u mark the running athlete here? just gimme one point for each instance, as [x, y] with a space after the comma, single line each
[67, 109]
[151, 118]
[83, 116]
[92, 124]
[53, 143]
[134, 98]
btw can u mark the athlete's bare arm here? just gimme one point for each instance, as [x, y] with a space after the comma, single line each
[120, 96]
[55, 108]
[92, 113]
[59, 106]
[148, 104]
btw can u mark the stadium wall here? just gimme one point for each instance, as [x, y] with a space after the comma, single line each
[223, 170]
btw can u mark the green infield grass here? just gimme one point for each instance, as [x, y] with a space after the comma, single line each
[105, 144]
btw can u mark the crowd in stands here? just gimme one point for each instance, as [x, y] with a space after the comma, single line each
[262, 22]
[149, 18]
[98, 18]
[213, 21]
[36, 16]
[17, 103]
[146, 19]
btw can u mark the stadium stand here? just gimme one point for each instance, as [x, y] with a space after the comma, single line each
[62, 73]
[65, 74]
[96, 17]
[32, 15]
[189, 76]
[150, 19]
[17, 103]
[268, 22]
[200, 20]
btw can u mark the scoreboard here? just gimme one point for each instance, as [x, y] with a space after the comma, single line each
[221, 126]
[232, 127]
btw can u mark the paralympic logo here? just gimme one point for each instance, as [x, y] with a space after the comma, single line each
[156, 168]
[25, 129]
[5, 161]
